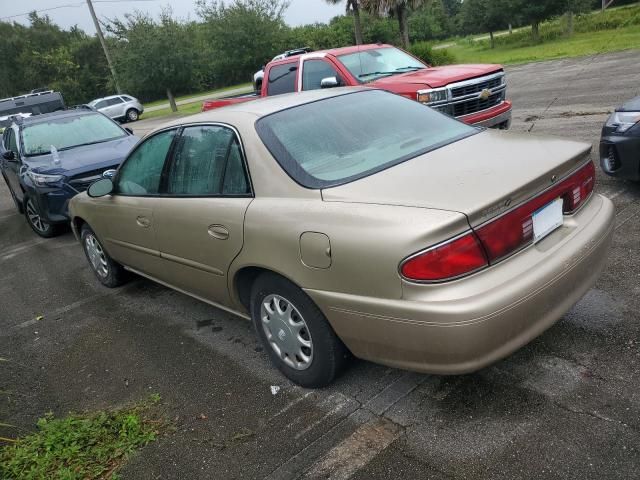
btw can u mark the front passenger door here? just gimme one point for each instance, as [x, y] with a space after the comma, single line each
[200, 218]
[126, 218]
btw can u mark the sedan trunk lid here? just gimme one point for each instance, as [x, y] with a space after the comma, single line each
[480, 176]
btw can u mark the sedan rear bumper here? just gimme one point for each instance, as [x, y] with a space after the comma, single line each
[462, 326]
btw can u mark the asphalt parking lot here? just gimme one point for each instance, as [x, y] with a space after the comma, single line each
[565, 406]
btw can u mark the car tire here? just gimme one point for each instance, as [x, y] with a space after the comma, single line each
[37, 223]
[16, 202]
[110, 273]
[295, 333]
[132, 115]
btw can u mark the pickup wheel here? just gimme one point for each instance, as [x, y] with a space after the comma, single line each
[295, 333]
[110, 273]
[132, 115]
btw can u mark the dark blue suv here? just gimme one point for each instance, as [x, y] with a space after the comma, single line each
[47, 159]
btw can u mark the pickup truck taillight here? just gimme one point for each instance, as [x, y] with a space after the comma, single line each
[498, 238]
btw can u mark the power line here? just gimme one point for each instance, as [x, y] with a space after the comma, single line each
[71, 5]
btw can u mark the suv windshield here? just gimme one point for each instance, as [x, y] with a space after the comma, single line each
[67, 132]
[368, 65]
[340, 139]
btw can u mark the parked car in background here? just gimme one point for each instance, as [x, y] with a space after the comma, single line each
[620, 142]
[47, 159]
[34, 103]
[475, 94]
[259, 75]
[402, 235]
[123, 108]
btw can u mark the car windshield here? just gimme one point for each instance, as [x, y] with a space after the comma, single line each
[368, 65]
[340, 139]
[68, 132]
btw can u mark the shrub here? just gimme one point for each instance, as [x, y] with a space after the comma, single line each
[433, 57]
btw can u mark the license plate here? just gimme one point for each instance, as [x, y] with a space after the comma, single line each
[547, 219]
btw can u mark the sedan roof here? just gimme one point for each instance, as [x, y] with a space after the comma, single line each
[266, 106]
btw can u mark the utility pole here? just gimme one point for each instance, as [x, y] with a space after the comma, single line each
[104, 45]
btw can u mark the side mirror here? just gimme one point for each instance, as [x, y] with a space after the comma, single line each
[329, 82]
[129, 130]
[100, 188]
[9, 155]
[109, 173]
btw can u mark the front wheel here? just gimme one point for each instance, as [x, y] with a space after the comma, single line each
[295, 333]
[132, 115]
[110, 273]
[37, 222]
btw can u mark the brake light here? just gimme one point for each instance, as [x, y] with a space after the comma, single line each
[498, 238]
[514, 230]
[446, 261]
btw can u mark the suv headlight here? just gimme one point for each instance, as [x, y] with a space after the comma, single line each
[432, 96]
[623, 121]
[42, 180]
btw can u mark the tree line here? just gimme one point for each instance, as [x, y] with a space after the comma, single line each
[228, 41]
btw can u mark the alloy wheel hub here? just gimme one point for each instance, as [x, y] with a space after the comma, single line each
[96, 255]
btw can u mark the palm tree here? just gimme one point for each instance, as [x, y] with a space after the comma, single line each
[353, 7]
[397, 8]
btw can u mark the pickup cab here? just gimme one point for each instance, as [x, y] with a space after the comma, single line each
[475, 94]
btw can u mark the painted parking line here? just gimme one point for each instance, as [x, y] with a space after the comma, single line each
[19, 248]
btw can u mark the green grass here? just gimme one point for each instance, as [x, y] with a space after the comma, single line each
[186, 109]
[87, 446]
[594, 32]
[195, 95]
[579, 44]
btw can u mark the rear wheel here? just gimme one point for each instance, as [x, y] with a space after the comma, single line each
[132, 115]
[295, 333]
[37, 222]
[110, 273]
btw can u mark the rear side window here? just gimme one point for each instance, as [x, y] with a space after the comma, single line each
[114, 101]
[314, 71]
[126, 99]
[282, 79]
[207, 162]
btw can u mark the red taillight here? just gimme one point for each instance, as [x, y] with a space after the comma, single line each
[514, 230]
[446, 261]
[498, 238]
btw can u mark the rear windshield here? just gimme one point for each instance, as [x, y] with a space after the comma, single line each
[68, 132]
[340, 139]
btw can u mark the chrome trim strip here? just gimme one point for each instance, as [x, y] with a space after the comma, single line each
[476, 80]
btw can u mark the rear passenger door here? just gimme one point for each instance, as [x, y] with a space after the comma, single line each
[114, 108]
[200, 217]
[282, 78]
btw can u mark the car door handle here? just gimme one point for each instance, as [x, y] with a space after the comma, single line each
[143, 222]
[218, 231]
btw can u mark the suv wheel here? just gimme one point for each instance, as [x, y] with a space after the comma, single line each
[110, 273]
[295, 333]
[132, 115]
[37, 223]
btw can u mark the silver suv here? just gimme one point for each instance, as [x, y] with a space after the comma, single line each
[119, 107]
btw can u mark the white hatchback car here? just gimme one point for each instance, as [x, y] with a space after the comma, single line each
[119, 107]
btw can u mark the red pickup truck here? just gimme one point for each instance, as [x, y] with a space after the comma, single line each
[475, 94]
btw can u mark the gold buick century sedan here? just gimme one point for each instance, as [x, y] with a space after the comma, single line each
[356, 221]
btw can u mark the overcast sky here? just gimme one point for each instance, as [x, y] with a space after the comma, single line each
[74, 12]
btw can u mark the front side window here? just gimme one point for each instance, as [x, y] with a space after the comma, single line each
[315, 71]
[207, 162]
[10, 142]
[354, 135]
[369, 65]
[100, 104]
[282, 79]
[141, 173]
[69, 131]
